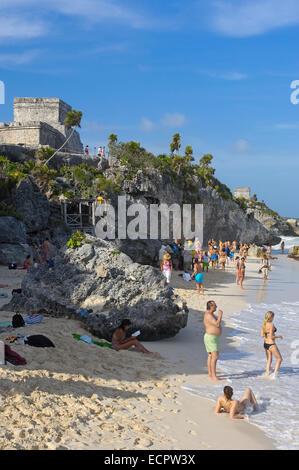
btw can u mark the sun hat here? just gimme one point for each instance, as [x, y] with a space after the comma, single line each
[167, 256]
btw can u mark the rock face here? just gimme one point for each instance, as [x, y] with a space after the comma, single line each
[274, 223]
[294, 251]
[225, 220]
[100, 277]
[29, 201]
[12, 230]
[13, 247]
[256, 251]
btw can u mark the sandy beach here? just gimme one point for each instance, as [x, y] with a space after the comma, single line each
[82, 396]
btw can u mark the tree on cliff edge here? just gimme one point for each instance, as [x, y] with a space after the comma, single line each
[72, 120]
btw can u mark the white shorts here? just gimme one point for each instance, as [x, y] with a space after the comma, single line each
[167, 274]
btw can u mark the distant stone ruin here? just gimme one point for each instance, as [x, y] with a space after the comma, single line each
[40, 122]
[242, 192]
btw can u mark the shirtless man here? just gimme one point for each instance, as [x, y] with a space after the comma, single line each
[211, 337]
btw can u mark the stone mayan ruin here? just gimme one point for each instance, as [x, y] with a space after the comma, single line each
[40, 122]
[242, 192]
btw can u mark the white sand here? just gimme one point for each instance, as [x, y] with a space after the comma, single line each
[81, 396]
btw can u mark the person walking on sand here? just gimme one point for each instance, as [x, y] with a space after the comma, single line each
[265, 267]
[237, 269]
[268, 333]
[120, 342]
[242, 269]
[213, 332]
[166, 267]
[235, 407]
[198, 276]
[222, 259]
[282, 246]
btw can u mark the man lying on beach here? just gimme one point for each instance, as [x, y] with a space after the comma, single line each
[120, 342]
[211, 337]
[235, 407]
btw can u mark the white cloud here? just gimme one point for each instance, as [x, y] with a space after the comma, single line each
[173, 120]
[147, 125]
[242, 146]
[234, 76]
[288, 126]
[243, 18]
[18, 59]
[20, 27]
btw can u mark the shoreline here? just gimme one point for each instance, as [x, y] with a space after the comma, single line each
[88, 397]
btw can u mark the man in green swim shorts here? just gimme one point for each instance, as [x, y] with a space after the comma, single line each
[211, 338]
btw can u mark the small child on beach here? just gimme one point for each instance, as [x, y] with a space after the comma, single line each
[166, 267]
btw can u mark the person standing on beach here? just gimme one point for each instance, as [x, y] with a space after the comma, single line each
[237, 269]
[198, 276]
[242, 272]
[282, 247]
[213, 332]
[266, 267]
[268, 333]
[166, 267]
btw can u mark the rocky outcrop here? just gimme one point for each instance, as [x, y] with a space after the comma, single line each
[34, 206]
[12, 230]
[273, 223]
[294, 252]
[225, 220]
[100, 277]
[256, 251]
[13, 246]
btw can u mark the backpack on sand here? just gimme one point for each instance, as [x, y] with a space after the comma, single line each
[17, 321]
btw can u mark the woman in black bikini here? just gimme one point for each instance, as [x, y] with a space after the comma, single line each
[268, 333]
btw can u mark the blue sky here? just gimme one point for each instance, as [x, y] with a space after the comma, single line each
[218, 72]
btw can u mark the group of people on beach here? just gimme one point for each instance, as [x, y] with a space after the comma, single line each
[213, 331]
[191, 258]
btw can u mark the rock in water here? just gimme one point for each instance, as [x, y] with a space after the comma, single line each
[97, 276]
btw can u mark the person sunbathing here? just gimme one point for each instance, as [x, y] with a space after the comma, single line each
[120, 342]
[235, 407]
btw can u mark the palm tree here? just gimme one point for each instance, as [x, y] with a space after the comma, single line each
[72, 120]
[112, 139]
[189, 154]
[176, 143]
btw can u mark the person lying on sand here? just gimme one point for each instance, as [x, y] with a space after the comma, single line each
[235, 407]
[120, 342]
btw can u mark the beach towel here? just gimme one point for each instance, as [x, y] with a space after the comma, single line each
[32, 320]
[13, 357]
[102, 344]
